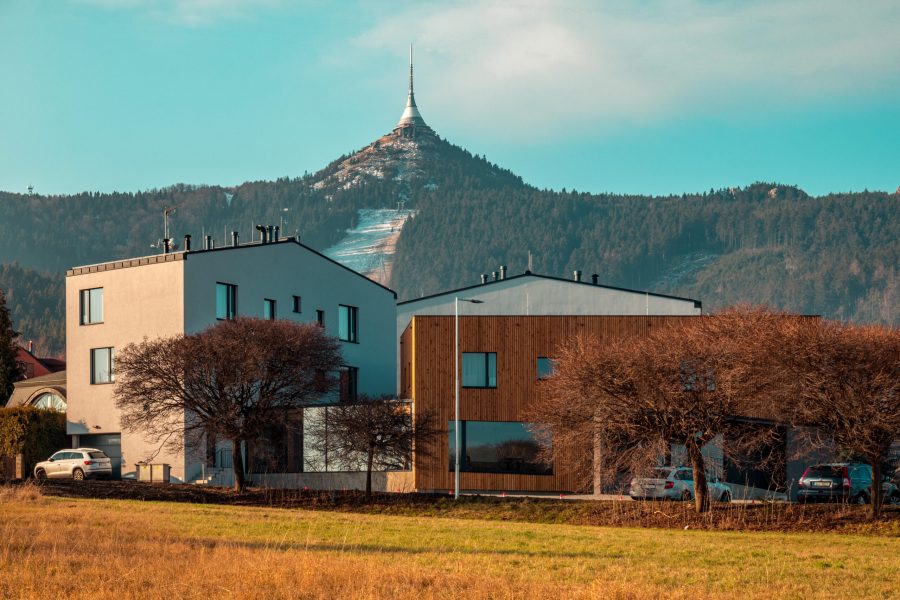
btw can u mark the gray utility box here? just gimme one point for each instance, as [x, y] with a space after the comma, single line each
[154, 473]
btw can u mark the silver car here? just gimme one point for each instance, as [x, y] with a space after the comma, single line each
[675, 483]
[77, 464]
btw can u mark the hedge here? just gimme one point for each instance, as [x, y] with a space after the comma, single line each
[35, 433]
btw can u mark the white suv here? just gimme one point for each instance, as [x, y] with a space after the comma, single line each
[77, 464]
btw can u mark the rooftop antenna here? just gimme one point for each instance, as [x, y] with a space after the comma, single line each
[410, 71]
[169, 210]
[530, 262]
[30, 190]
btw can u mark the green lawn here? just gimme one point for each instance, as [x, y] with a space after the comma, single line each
[228, 551]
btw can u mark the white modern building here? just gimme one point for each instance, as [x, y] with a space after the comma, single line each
[111, 305]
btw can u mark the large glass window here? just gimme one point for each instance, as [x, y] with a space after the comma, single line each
[226, 301]
[479, 369]
[269, 309]
[497, 447]
[91, 306]
[347, 322]
[102, 365]
[545, 367]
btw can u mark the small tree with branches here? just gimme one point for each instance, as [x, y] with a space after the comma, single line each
[846, 383]
[373, 432]
[229, 382]
[683, 384]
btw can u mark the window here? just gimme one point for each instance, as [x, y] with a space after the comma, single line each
[50, 401]
[349, 383]
[91, 306]
[269, 309]
[347, 317]
[497, 447]
[226, 301]
[545, 367]
[320, 318]
[479, 369]
[319, 454]
[298, 304]
[102, 365]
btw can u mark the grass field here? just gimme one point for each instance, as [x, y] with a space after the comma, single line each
[83, 548]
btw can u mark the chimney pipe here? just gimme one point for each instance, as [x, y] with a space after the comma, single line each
[212, 244]
[167, 246]
[31, 346]
[493, 275]
[207, 242]
[577, 275]
[483, 278]
[595, 279]
[502, 271]
[234, 238]
[277, 234]
[262, 233]
[187, 243]
[271, 235]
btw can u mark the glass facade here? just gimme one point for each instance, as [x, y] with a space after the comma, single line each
[479, 369]
[102, 365]
[91, 306]
[497, 447]
[347, 323]
[226, 301]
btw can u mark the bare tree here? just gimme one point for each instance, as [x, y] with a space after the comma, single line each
[229, 381]
[846, 381]
[680, 384]
[374, 432]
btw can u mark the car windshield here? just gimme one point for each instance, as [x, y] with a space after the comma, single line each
[825, 471]
[97, 454]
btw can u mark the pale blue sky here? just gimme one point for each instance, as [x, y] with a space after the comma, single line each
[655, 96]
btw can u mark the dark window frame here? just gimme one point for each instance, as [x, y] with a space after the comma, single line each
[85, 295]
[110, 366]
[487, 374]
[352, 323]
[465, 463]
[230, 301]
[350, 393]
[320, 317]
[267, 303]
[298, 304]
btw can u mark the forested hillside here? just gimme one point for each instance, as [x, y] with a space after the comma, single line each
[837, 255]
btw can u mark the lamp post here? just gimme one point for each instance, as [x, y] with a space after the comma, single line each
[456, 434]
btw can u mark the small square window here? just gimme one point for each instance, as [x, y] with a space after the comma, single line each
[479, 369]
[298, 304]
[545, 367]
[320, 318]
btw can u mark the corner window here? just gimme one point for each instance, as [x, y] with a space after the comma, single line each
[226, 301]
[545, 367]
[497, 447]
[269, 309]
[347, 321]
[349, 383]
[298, 304]
[320, 318]
[479, 369]
[102, 366]
[91, 306]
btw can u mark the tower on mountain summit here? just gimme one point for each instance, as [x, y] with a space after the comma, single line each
[411, 122]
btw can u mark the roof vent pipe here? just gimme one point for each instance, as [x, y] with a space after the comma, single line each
[262, 233]
[271, 236]
[502, 271]
[167, 246]
[493, 275]
[207, 243]
[277, 234]
[595, 279]
[234, 238]
[212, 244]
[577, 275]
[483, 278]
[187, 243]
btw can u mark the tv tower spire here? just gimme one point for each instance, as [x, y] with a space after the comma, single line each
[411, 119]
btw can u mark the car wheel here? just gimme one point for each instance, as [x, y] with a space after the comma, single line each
[860, 499]
[40, 475]
[726, 496]
[894, 499]
[78, 475]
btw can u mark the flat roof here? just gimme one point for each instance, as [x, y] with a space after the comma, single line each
[697, 303]
[183, 255]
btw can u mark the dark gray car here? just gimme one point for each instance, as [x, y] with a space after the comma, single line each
[842, 482]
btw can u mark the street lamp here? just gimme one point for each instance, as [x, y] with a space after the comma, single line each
[456, 433]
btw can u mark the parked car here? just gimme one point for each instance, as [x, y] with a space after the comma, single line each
[843, 482]
[77, 464]
[675, 483]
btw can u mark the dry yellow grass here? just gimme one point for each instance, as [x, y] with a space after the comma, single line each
[74, 548]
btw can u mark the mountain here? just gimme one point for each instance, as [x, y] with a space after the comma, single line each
[836, 255]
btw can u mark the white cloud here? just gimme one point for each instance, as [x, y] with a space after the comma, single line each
[545, 66]
[193, 13]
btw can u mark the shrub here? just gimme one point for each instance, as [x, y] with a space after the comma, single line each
[32, 432]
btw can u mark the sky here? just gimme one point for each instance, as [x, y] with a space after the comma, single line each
[648, 97]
